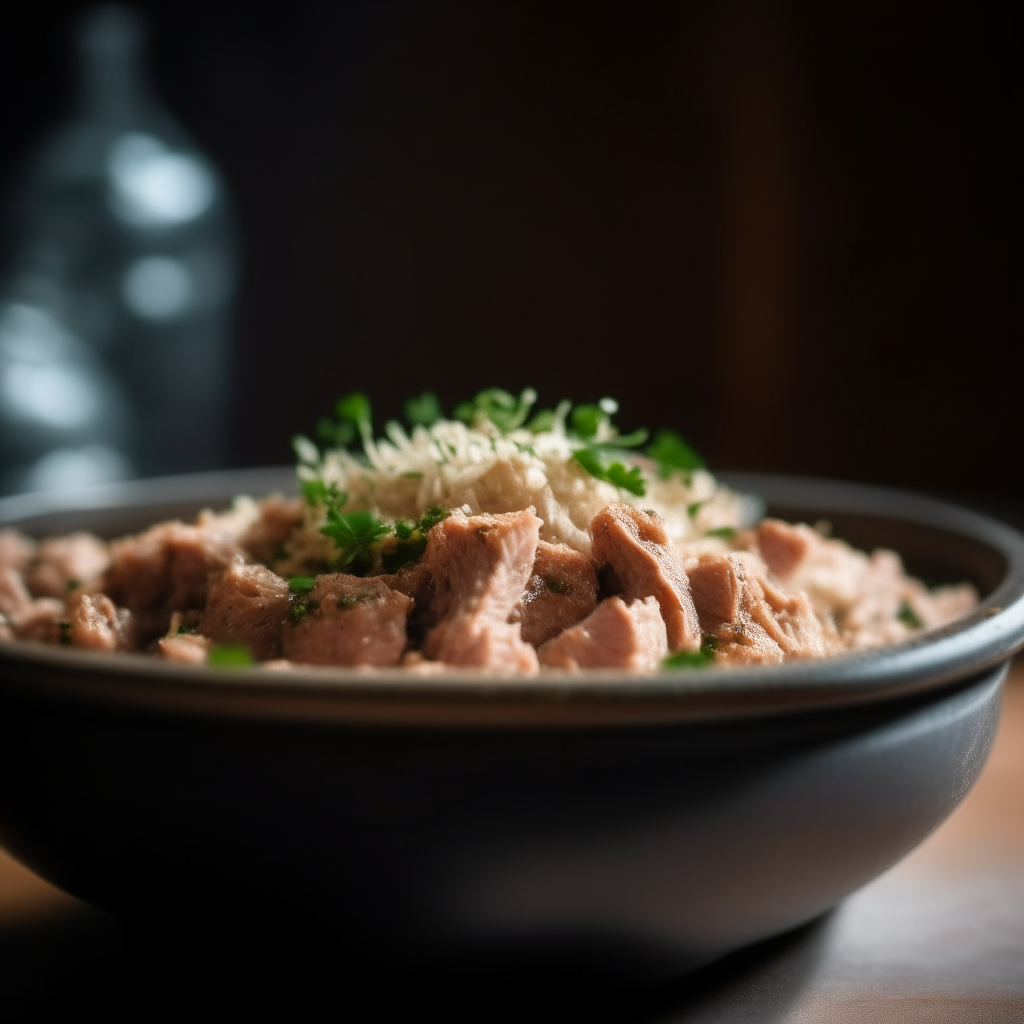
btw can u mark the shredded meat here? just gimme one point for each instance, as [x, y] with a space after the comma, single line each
[633, 543]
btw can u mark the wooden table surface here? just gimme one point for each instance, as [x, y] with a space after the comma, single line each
[939, 937]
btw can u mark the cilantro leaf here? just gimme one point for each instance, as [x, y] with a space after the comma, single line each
[694, 659]
[725, 532]
[229, 656]
[411, 539]
[335, 435]
[424, 411]
[316, 492]
[628, 479]
[633, 440]
[502, 409]
[301, 584]
[354, 408]
[587, 419]
[543, 419]
[672, 453]
[908, 616]
[355, 534]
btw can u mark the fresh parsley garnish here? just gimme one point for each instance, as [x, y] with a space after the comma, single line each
[908, 616]
[693, 508]
[725, 532]
[73, 584]
[411, 539]
[424, 411]
[555, 585]
[500, 407]
[592, 459]
[673, 454]
[694, 659]
[316, 492]
[65, 632]
[301, 608]
[229, 656]
[301, 584]
[355, 534]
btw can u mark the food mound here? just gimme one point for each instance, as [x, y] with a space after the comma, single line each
[497, 540]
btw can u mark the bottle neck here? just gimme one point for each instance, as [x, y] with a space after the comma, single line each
[112, 81]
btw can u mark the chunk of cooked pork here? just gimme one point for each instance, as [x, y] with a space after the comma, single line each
[16, 550]
[278, 517]
[166, 569]
[636, 547]
[97, 625]
[783, 547]
[753, 620]
[347, 620]
[869, 597]
[68, 563]
[561, 591]
[247, 604]
[614, 635]
[189, 648]
[479, 567]
[29, 618]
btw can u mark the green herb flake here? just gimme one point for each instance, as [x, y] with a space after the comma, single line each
[316, 492]
[673, 454]
[356, 535]
[694, 659]
[725, 532]
[184, 630]
[346, 602]
[542, 420]
[354, 408]
[424, 411]
[413, 474]
[500, 407]
[631, 480]
[556, 586]
[908, 616]
[229, 656]
[65, 632]
[301, 584]
[335, 435]
[301, 608]
[432, 517]
[73, 584]
[586, 420]
[693, 508]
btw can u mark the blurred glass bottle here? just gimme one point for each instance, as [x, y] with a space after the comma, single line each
[123, 227]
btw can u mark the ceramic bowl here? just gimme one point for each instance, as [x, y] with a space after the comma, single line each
[650, 823]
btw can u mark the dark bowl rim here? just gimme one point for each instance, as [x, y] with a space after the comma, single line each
[990, 634]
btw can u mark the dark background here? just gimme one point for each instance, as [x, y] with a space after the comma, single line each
[787, 229]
